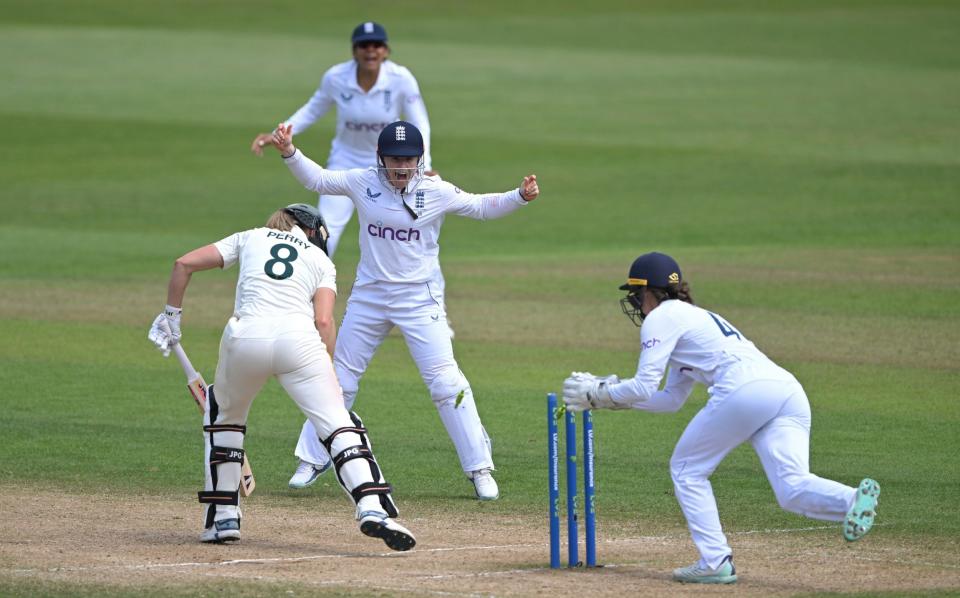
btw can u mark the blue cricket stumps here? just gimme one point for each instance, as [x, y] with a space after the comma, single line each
[589, 488]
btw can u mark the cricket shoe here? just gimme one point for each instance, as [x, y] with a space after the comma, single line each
[860, 517]
[700, 573]
[376, 524]
[307, 473]
[225, 530]
[484, 484]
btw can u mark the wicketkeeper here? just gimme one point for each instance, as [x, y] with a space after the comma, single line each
[752, 399]
[283, 326]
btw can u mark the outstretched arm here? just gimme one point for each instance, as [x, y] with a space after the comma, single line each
[494, 205]
[310, 174]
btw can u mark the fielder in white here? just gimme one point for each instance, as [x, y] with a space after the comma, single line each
[752, 399]
[399, 282]
[369, 92]
[283, 326]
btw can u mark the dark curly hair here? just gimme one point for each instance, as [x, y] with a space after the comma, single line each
[674, 291]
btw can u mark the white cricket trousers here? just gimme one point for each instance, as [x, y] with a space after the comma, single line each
[253, 350]
[774, 416]
[373, 309]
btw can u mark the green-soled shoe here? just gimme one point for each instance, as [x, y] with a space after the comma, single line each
[860, 517]
[697, 573]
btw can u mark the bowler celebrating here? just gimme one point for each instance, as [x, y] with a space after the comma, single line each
[399, 282]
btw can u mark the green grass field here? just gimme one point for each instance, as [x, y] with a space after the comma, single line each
[800, 159]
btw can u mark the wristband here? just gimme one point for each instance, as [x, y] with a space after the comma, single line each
[171, 311]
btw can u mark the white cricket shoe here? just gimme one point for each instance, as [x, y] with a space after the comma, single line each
[377, 524]
[485, 485]
[226, 530]
[700, 573]
[307, 473]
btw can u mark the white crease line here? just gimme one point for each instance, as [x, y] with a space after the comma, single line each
[297, 559]
[354, 583]
[264, 561]
[906, 562]
[734, 533]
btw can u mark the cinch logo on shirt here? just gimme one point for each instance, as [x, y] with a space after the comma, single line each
[371, 127]
[650, 343]
[391, 234]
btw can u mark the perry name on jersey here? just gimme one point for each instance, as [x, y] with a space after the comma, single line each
[280, 271]
[400, 230]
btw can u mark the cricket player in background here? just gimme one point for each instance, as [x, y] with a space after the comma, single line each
[283, 326]
[399, 282]
[369, 91]
[752, 399]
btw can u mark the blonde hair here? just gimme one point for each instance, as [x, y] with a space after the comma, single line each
[281, 220]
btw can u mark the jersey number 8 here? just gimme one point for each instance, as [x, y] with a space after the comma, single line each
[271, 265]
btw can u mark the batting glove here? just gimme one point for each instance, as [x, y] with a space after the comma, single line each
[159, 336]
[173, 322]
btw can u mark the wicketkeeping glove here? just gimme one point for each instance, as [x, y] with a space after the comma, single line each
[582, 391]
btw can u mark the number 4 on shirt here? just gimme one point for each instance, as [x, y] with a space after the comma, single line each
[725, 326]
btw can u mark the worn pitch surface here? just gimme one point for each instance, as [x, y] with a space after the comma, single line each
[133, 543]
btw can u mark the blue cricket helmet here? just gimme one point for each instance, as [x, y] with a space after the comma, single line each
[400, 139]
[652, 270]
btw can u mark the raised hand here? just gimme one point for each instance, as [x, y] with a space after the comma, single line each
[529, 190]
[282, 139]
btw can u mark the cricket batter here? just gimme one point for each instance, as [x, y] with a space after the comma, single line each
[399, 282]
[283, 326]
[752, 399]
[369, 92]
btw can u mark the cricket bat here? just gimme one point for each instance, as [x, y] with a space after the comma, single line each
[198, 389]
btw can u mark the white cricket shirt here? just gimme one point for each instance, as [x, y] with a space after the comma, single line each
[361, 115]
[279, 272]
[395, 246]
[697, 346]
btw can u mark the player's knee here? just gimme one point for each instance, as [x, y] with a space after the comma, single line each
[684, 472]
[677, 470]
[790, 491]
[448, 384]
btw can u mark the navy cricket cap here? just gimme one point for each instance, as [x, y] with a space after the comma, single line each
[400, 139]
[369, 32]
[652, 270]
